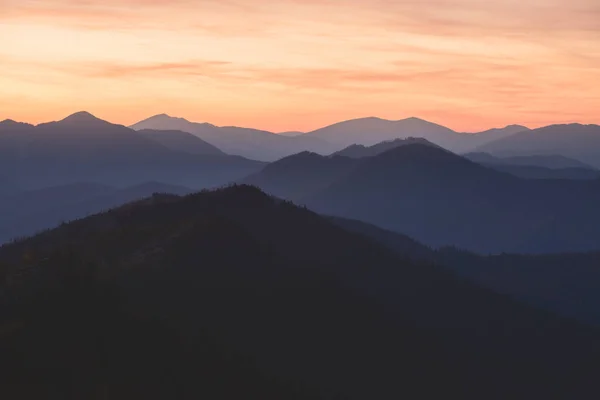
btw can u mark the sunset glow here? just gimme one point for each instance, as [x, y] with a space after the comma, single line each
[302, 64]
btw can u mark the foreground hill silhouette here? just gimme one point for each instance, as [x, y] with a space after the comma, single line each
[83, 148]
[581, 142]
[28, 212]
[149, 301]
[252, 143]
[442, 199]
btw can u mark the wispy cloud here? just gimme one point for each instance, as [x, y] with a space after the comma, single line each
[473, 62]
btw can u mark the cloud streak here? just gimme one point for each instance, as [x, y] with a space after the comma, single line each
[474, 63]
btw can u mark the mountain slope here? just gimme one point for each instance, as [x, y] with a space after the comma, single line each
[149, 301]
[531, 172]
[182, 141]
[553, 161]
[479, 139]
[581, 142]
[83, 148]
[300, 176]
[251, 143]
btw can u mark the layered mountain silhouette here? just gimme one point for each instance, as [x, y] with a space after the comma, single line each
[149, 301]
[481, 138]
[552, 161]
[580, 142]
[182, 141]
[28, 212]
[268, 146]
[441, 199]
[360, 151]
[537, 167]
[251, 143]
[83, 148]
[370, 131]
[302, 175]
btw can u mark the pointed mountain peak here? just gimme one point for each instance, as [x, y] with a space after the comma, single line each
[81, 117]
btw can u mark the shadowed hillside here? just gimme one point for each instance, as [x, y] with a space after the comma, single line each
[149, 301]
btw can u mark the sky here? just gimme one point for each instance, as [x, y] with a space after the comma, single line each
[297, 65]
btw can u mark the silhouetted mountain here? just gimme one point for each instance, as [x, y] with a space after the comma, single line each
[553, 161]
[360, 151]
[252, 143]
[481, 138]
[149, 301]
[83, 148]
[370, 131]
[580, 142]
[529, 172]
[441, 199]
[537, 167]
[182, 141]
[302, 175]
[29, 212]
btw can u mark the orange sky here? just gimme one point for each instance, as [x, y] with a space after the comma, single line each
[301, 64]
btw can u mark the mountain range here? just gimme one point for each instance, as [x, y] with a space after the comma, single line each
[251, 143]
[577, 141]
[83, 148]
[149, 301]
[268, 146]
[440, 198]
[537, 166]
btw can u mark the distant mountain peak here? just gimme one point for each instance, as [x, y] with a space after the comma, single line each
[164, 116]
[12, 124]
[81, 117]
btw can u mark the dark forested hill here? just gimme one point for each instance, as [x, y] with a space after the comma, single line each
[233, 294]
[28, 212]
